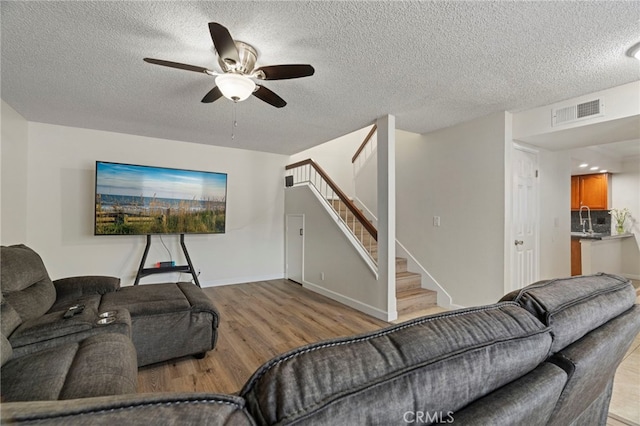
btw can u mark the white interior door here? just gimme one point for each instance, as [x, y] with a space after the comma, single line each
[295, 247]
[524, 251]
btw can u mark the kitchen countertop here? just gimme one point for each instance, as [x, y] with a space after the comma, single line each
[601, 236]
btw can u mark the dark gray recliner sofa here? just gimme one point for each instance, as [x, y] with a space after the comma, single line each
[164, 321]
[545, 355]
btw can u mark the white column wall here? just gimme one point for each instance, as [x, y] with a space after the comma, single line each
[625, 192]
[386, 156]
[457, 174]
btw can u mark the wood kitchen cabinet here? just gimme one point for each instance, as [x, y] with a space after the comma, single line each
[576, 257]
[591, 191]
[575, 192]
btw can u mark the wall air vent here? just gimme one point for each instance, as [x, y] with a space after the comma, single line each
[573, 113]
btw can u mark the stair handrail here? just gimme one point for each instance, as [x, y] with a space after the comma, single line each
[364, 143]
[341, 195]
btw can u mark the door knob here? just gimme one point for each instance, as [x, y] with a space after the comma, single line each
[519, 242]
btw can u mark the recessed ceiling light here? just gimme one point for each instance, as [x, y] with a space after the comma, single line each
[634, 51]
[594, 168]
[583, 165]
[603, 171]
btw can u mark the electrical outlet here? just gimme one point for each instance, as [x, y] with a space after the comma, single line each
[436, 221]
[321, 276]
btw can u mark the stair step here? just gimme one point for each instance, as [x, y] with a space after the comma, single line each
[407, 281]
[415, 299]
[401, 264]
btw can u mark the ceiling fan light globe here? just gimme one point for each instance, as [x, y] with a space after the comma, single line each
[634, 51]
[235, 87]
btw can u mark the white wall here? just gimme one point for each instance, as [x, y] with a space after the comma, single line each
[328, 252]
[59, 213]
[625, 192]
[13, 176]
[457, 174]
[365, 180]
[334, 157]
[555, 217]
[620, 102]
[366, 186]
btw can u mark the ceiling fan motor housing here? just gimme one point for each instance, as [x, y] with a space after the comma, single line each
[248, 56]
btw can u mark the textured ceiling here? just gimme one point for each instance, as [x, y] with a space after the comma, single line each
[431, 64]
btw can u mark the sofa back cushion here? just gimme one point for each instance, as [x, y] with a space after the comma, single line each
[591, 364]
[574, 306]
[26, 285]
[435, 364]
[530, 400]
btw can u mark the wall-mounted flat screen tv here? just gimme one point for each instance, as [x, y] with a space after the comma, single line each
[133, 200]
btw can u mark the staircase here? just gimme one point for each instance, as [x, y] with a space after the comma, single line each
[368, 242]
[410, 296]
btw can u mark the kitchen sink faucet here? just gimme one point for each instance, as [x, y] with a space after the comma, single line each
[583, 221]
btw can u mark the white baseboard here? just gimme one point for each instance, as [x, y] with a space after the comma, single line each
[454, 306]
[631, 276]
[239, 280]
[355, 304]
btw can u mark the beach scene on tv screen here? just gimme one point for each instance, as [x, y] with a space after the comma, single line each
[133, 199]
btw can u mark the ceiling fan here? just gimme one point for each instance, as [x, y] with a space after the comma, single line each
[237, 61]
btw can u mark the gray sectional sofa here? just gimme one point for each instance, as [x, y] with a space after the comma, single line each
[46, 356]
[545, 355]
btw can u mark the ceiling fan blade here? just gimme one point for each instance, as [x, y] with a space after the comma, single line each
[269, 97]
[224, 44]
[177, 65]
[284, 72]
[213, 95]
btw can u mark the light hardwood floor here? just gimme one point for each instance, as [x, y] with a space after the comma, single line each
[257, 322]
[263, 319]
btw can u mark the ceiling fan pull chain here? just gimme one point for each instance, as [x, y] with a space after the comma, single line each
[235, 122]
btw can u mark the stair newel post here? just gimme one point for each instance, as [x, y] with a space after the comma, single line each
[386, 162]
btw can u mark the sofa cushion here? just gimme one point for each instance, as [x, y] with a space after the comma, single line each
[53, 329]
[37, 377]
[591, 363]
[439, 363]
[9, 318]
[25, 282]
[167, 320]
[100, 365]
[148, 299]
[140, 409]
[86, 290]
[105, 364]
[529, 400]
[5, 350]
[574, 306]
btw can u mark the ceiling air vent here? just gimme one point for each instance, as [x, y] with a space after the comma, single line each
[570, 114]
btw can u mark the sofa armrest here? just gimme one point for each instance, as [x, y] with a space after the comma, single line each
[75, 287]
